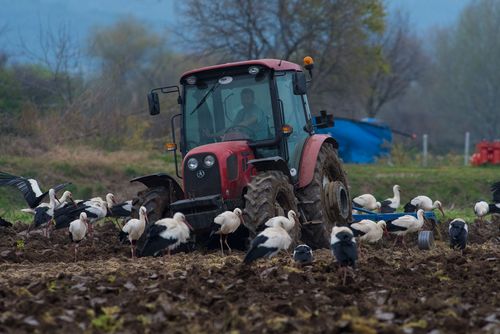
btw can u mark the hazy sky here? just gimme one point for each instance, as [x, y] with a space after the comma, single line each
[23, 17]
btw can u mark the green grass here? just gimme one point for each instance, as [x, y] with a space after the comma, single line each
[458, 188]
[455, 187]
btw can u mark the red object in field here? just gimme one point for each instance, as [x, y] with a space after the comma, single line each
[486, 153]
[496, 152]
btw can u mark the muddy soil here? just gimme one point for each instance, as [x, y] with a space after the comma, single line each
[393, 291]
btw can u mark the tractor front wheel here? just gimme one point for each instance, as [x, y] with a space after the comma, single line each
[269, 194]
[325, 201]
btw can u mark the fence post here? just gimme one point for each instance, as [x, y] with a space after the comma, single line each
[466, 149]
[424, 150]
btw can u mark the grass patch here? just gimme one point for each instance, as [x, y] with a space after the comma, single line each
[455, 187]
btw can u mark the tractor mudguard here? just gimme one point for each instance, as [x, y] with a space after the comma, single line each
[161, 179]
[271, 163]
[310, 155]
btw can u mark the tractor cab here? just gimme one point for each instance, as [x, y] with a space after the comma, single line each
[246, 140]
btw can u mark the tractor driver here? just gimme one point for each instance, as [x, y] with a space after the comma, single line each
[250, 115]
[249, 120]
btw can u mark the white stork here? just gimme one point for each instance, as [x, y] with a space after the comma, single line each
[391, 204]
[94, 210]
[303, 254]
[45, 214]
[406, 224]
[344, 249]
[425, 203]
[78, 230]
[229, 222]
[29, 188]
[134, 228]
[64, 200]
[121, 210]
[286, 223]
[482, 208]
[458, 231]
[268, 243]
[273, 239]
[167, 233]
[366, 201]
[369, 231]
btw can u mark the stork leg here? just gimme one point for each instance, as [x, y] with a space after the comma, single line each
[76, 251]
[395, 241]
[404, 244]
[360, 250]
[132, 248]
[345, 275]
[225, 239]
[221, 245]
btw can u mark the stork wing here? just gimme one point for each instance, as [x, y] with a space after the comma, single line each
[29, 188]
[495, 189]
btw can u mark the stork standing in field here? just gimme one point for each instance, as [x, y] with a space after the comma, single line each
[482, 208]
[273, 239]
[391, 204]
[120, 210]
[229, 222]
[94, 210]
[366, 201]
[28, 187]
[404, 225]
[44, 214]
[303, 255]
[78, 230]
[458, 231]
[344, 249]
[134, 228]
[63, 201]
[425, 203]
[369, 231]
[167, 233]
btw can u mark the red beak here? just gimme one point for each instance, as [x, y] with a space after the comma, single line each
[188, 225]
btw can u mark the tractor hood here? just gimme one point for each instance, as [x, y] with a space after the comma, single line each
[226, 174]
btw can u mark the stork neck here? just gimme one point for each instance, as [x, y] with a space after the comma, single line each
[52, 200]
[396, 193]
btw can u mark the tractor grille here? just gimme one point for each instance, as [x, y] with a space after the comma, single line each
[203, 181]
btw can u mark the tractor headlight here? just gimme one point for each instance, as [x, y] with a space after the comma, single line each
[209, 160]
[192, 164]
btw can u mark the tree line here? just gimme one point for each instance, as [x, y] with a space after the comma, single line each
[368, 64]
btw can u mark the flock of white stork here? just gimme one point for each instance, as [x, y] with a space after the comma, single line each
[167, 234]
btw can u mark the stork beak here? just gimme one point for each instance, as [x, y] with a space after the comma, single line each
[188, 225]
[386, 233]
[72, 201]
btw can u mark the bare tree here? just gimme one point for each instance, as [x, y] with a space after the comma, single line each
[400, 62]
[60, 54]
[335, 32]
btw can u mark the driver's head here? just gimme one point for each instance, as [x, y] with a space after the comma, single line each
[247, 97]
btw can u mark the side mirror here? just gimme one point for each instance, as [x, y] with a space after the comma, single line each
[154, 103]
[299, 83]
[324, 120]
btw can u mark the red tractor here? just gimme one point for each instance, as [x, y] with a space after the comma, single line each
[247, 140]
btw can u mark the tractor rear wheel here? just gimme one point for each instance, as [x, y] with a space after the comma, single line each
[269, 194]
[157, 202]
[325, 201]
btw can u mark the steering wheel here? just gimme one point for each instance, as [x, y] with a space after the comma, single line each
[245, 129]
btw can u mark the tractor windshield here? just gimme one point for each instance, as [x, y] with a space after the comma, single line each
[228, 107]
